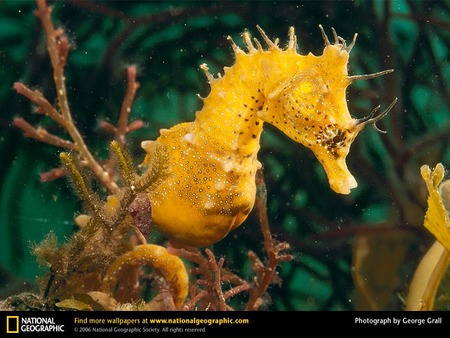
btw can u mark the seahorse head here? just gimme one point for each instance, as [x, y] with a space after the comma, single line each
[307, 102]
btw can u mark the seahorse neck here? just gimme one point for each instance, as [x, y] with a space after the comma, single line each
[229, 114]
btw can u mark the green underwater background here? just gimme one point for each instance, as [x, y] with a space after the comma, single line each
[352, 252]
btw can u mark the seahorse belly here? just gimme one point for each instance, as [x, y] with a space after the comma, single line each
[206, 194]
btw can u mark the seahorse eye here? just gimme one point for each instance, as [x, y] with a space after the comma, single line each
[307, 92]
[340, 137]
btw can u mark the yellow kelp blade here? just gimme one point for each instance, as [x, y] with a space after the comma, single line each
[437, 220]
[427, 278]
[432, 267]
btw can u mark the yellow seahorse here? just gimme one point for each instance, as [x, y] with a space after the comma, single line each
[213, 159]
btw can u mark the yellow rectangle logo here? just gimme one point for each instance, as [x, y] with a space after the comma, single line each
[12, 324]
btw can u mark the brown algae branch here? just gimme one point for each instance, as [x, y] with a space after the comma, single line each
[122, 125]
[58, 49]
[42, 135]
[122, 128]
[266, 273]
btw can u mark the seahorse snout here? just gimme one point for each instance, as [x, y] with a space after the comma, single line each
[343, 184]
[339, 177]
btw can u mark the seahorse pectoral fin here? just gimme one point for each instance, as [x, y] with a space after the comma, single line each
[241, 217]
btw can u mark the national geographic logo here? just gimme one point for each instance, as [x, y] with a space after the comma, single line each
[16, 324]
[12, 324]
